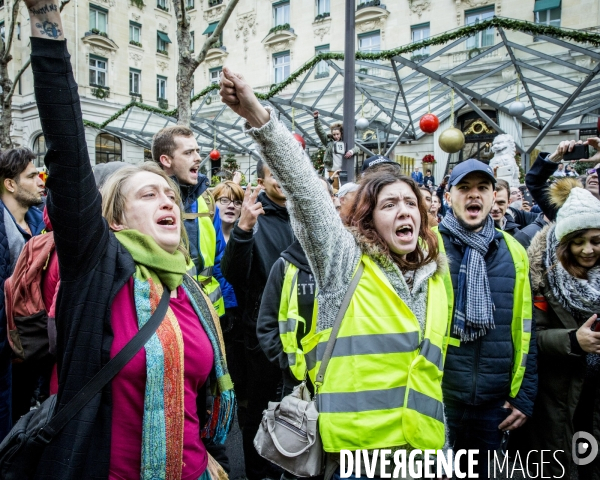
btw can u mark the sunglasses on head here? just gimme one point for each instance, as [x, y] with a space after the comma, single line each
[591, 171]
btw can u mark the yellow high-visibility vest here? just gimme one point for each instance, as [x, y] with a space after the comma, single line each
[382, 387]
[207, 248]
[522, 308]
[290, 320]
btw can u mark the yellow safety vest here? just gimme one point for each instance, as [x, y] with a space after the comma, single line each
[289, 321]
[522, 308]
[207, 248]
[382, 387]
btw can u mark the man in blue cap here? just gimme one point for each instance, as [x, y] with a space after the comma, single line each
[490, 379]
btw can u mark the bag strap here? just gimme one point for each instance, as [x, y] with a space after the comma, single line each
[337, 324]
[107, 372]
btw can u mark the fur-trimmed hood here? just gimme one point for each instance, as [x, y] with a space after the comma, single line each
[536, 251]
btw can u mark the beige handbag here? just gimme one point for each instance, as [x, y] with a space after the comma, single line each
[289, 432]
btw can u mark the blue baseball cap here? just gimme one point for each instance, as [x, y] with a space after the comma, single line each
[469, 166]
[375, 160]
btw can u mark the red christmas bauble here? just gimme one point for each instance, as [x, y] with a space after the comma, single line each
[214, 155]
[300, 140]
[429, 123]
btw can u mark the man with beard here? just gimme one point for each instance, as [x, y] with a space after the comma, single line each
[21, 190]
[256, 242]
[490, 379]
[176, 150]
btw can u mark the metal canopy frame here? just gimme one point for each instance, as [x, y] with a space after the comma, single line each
[558, 81]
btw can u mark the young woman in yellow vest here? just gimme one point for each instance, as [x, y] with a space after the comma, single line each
[382, 387]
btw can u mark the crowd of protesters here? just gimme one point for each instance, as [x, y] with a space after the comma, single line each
[472, 311]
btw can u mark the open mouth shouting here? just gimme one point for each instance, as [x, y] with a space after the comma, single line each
[474, 210]
[405, 233]
[168, 221]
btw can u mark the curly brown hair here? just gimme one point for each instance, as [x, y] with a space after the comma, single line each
[359, 216]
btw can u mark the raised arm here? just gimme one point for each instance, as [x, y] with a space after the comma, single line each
[74, 203]
[331, 249]
[320, 130]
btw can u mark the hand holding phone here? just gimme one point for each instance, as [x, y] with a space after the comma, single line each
[579, 152]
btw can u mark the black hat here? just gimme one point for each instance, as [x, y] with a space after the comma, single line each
[469, 166]
[375, 160]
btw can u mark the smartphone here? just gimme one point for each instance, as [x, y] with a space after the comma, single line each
[579, 152]
[527, 196]
[343, 175]
[596, 325]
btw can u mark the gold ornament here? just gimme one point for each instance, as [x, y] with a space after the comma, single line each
[452, 140]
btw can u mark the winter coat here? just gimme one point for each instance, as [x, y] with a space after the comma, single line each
[525, 235]
[536, 181]
[267, 328]
[249, 257]
[561, 372]
[328, 143]
[480, 372]
[94, 266]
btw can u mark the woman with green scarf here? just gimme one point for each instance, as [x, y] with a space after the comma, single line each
[149, 422]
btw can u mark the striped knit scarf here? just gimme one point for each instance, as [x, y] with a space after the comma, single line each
[474, 309]
[163, 419]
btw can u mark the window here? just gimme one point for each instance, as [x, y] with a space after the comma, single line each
[192, 42]
[39, 148]
[369, 42]
[98, 19]
[135, 32]
[189, 4]
[135, 78]
[162, 4]
[322, 7]
[214, 74]
[322, 66]
[484, 38]
[162, 41]
[98, 66]
[161, 87]
[208, 32]
[2, 31]
[281, 64]
[418, 34]
[108, 148]
[281, 13]
[547, 12]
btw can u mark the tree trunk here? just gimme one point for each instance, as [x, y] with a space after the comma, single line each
[6, 105]
[186, 66]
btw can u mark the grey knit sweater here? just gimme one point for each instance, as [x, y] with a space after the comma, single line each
[332, 250]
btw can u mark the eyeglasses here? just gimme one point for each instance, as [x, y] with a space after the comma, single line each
[591, 171]
[226, 201]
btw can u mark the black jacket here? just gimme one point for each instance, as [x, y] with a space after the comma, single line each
[510, 226]
[94, 266]
[537, 183]
[267, 327]
[249, 257]
[526, 234]
[479, 372]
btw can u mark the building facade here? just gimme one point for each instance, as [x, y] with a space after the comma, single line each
[127, 50]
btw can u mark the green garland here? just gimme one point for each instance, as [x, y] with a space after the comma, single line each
[463, 32]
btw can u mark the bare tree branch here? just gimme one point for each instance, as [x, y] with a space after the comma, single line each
[62, 5]
[184, 20]
[217, 33]
[11, 31]
[16, 79]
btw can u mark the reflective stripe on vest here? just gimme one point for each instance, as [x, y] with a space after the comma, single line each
[522, 309]
[382, 371]
[207, 248]
[289, 320]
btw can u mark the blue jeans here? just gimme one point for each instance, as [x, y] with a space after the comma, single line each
[5, 396]
[472, 427]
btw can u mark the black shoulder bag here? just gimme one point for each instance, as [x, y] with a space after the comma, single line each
[21, 450]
